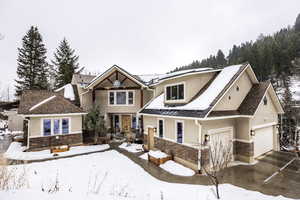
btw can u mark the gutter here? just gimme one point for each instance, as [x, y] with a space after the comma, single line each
[28, 125]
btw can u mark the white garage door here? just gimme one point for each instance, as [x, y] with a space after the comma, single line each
[263, 140]
[220, 140]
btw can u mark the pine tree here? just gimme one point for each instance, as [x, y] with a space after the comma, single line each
[65, 62]
[297, 23]
[32, 68]
[289, 126]
[220, 59]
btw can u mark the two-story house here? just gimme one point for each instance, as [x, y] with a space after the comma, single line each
[178, 113]
[118, 94]
[191, 108]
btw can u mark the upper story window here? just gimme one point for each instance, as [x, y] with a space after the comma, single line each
[175, 92]
[121, 97]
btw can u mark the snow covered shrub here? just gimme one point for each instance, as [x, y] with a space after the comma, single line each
[12, 178]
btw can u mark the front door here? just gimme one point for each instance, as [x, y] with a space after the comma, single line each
[150, 138]
[126, 123]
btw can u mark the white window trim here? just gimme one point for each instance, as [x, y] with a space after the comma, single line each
[158, 130]
[52, 126]
[115, 97]
[178, 100]
[179, 121]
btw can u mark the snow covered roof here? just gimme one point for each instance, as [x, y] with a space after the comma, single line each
[68, 91]
[201, 104]
[162, 77]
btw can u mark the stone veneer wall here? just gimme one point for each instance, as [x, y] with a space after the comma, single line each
[243, 148]
[178, 150]
[47, 141]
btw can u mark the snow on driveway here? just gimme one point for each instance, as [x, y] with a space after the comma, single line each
[110, 175]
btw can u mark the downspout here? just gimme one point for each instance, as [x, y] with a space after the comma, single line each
[197, 122]
[28, 125]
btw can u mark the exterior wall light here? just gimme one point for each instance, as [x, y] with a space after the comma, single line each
[252, 132]
[206, 138]
[155, 129]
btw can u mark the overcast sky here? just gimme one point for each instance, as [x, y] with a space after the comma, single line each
[142, 36]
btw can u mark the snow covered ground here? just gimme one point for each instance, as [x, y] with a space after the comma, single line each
[133, 148]
[111, 176]
[15, 152]
[171, 166]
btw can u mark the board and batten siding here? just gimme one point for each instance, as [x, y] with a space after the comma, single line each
[35, 129]
[191, 131]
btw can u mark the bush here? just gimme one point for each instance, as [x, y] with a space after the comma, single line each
[12, 178]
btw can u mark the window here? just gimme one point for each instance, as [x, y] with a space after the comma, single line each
[179, 131]
[65, 126]
[133, 122]
[265, 101]
[111, 97]
[121, 97]
[47, 127]
[161, 128]
[130, 98]
[175, 92]
[56, 126]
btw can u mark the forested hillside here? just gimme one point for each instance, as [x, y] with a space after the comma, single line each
[273, 57]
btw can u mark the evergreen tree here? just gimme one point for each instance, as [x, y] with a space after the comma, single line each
[32, 68]
[289, 125]
[297, 23]
[65, 62]
[220, 59]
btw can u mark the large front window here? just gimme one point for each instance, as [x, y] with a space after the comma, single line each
[175, 92]
[65, 126]
[55, 126]
[47, 127]
[121, 97]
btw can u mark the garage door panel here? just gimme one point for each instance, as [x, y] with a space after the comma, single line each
[263, 141]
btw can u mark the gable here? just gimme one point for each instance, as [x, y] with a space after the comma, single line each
[265, 113]
[112, 74]
[236, 94]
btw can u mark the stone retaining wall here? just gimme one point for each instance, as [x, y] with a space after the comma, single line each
[47, 141]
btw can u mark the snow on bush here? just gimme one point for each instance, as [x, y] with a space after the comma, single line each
[157, 154]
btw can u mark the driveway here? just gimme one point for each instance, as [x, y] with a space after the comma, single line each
[286, 183]
[251, 177]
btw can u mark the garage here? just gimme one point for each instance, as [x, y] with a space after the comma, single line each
[222, 136]
[263, 141]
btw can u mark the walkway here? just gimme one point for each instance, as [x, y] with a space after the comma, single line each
[250, 177]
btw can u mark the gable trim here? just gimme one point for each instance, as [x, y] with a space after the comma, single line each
[129, 76]
[281, 111]
[247, 65]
